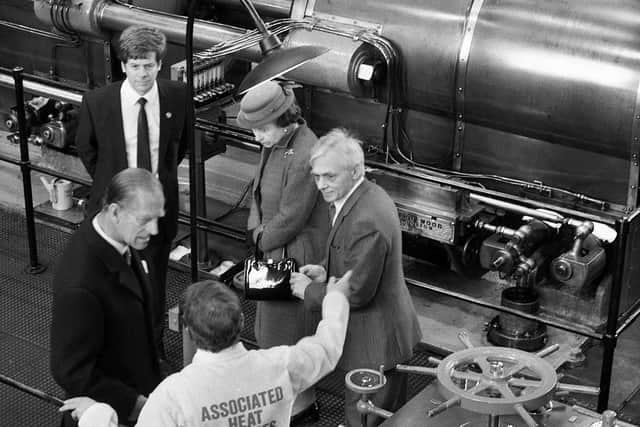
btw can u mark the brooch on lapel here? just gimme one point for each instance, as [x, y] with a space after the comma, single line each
[168, 114]
[289, 152]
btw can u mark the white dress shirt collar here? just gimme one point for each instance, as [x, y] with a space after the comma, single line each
[120, 247]
[130, 96]
[340, 202]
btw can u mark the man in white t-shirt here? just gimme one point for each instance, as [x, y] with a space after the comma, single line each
[227, 385]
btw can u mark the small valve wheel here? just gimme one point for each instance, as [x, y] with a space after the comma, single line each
[365, 381]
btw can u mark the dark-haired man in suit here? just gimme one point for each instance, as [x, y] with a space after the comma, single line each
[365, 237]
[101, 331]
[139, 122]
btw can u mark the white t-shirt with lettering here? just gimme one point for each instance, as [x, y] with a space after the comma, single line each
[241, 388]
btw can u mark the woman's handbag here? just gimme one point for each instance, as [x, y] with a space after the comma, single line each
[268, 279]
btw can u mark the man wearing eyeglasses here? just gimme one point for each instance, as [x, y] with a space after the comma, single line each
[102, 342]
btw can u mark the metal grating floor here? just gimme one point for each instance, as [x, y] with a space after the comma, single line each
[25, 302]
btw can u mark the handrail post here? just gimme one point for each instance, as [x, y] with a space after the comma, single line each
[610, 336]
[34, 266]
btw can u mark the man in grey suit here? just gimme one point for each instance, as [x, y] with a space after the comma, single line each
[365, 237]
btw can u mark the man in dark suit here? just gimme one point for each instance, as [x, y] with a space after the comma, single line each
[101, 331]
[139, 122]
[366, 238]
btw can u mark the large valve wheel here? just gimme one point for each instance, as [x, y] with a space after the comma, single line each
[496, 380]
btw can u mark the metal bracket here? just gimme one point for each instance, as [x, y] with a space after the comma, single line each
[376, 27]
[108, 66]
[301, 8]
[462, 65]
[634, 170]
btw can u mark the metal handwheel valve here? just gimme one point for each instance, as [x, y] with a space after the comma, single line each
[496, 381]
[367, 382]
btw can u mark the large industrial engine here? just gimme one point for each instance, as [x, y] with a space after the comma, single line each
[507, 132]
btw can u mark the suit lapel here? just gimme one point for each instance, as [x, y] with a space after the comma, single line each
[346, 210]
[115, 262]
[165, 118]
[141, 272]
[114, 126]
[129, 280]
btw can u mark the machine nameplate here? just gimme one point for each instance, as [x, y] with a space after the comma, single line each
[441, 229]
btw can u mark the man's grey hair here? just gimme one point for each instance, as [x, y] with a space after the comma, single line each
[342, 141]
[127, 184]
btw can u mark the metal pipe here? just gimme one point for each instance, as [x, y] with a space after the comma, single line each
[62, 175]
[573, 388]
[629, 321]
[34, 266]
[447, 180]
[477, 301]
[454, 401]
[48, 171]
[236, 139]
[610, 339]
[366, 407]
[96, 17]
[547, 351]
[542, 215]
[525, 415]
[40, 89]
[32, 391]
[214, 227]
[191, 120]
[116, 18]
[420, 370]
[255, 16]
[272, 8]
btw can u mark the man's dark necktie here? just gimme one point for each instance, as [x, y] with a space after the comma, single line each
[332, 212]
[144, 152]
[127, 256]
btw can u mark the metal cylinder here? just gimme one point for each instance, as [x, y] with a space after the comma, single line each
[522, 299]
[555, 70]
[517, 332]
[553, 82]
[40, 89]
[274, 8]
[487, 83]
[331, 70]
[98, 17]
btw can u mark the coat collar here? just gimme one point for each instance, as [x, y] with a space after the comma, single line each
[134, 277]
[283, 144]
[288, 138]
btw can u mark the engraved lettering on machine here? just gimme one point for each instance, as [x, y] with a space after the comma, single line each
[432, 227]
